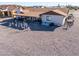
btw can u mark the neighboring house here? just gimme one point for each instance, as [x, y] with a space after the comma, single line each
[5, 12]
[9, 10]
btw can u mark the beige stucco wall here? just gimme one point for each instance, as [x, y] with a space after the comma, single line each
[56, 19]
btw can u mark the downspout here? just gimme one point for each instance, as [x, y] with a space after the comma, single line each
[64, 20]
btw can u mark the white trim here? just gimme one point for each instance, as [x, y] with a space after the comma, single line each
[64, 21]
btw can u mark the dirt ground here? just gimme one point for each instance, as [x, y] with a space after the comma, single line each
[40, 43]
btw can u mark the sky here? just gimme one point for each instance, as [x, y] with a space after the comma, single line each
[41, 3]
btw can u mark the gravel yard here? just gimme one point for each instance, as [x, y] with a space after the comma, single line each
[40, 43]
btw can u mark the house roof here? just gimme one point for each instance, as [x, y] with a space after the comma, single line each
[65, 10]
[10, 7]
[36, 12]
[30, 9]
[54, 12]
[30, 14]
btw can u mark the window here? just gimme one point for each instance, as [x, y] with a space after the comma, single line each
[48, 18]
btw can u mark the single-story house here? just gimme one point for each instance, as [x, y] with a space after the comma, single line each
[6, 11]
[47, 15]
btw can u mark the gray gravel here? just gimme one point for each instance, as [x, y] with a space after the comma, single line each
[40, 43]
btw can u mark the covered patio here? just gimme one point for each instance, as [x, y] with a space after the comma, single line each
[26, 24]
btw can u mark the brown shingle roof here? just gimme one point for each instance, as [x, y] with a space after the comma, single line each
[13, 7]
[31, 14]
[36, 12]
[65, 10]
[55, 12]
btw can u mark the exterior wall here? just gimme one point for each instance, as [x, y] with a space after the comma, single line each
[18, 11]
[56, 19]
